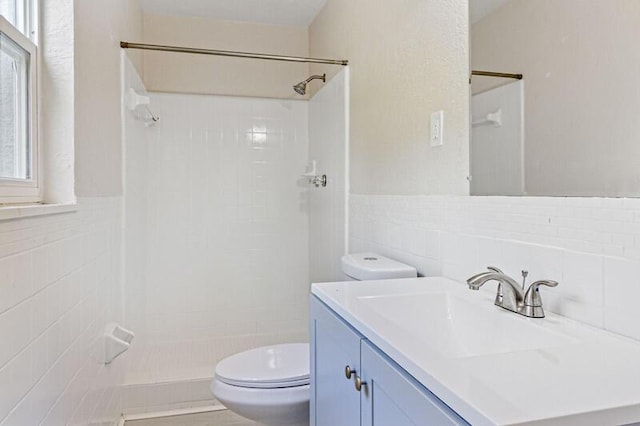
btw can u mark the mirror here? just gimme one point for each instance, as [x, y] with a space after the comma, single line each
[571, 126]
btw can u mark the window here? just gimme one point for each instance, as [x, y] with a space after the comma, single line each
[18, 106]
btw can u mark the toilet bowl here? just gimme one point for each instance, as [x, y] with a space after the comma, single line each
[269, 385]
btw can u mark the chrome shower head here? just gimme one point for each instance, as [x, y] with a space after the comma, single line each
[301, 88]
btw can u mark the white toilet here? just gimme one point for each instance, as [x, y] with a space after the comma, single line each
[270, 385]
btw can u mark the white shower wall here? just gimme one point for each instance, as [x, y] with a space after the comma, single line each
[329, 147]
[227, 227]
[217, 243]
[216, 238]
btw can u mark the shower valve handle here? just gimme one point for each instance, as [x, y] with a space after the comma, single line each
[319, 181]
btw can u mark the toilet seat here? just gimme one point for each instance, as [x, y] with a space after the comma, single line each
[267, 367]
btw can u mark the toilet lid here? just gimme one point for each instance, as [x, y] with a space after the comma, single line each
[274, 366]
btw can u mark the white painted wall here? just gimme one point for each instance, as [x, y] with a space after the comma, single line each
[275, 12]
[329, 146]
[407, 60]
[99, 25]
[175, 72]
[582, 105]
[56, 107]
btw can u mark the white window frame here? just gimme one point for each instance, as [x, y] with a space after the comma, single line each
[13, 191]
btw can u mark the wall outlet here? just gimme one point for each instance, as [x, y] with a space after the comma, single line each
[437, 128]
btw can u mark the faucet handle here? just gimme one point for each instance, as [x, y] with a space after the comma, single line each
[532, 299]
[549, 283]
[499, 294]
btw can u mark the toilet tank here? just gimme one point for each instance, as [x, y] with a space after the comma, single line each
[372, 266]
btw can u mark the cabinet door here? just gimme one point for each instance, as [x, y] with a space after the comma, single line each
[334, 345]
[391, 397]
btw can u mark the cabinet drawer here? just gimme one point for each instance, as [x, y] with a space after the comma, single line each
[391, 397]
[335, 345]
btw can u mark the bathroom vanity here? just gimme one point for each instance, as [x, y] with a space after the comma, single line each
[427, 351]
[353, 382]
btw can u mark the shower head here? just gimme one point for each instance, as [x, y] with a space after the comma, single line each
[301, 88]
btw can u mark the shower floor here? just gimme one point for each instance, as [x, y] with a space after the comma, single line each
[179, 361]
[177, 375]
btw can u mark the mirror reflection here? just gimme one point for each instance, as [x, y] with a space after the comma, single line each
[571, 125]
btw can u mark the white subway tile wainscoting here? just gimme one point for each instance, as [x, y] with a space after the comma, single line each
[590, 245]
[59, 288]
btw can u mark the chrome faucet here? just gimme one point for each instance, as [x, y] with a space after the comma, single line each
[510, 295]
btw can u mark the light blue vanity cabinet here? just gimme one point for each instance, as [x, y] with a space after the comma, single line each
[391, 397]
[334, 346]
[388, 396]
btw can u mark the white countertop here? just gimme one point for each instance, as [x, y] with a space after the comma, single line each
[572, 374]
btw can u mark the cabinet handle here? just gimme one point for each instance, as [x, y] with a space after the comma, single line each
[348, 372]
[359, 384]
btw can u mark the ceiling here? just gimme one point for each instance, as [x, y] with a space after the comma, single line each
[276, 12]
[478, 9]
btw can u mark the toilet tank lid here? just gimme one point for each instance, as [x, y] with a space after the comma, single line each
[372, 266]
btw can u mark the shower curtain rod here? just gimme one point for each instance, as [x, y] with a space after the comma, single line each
[231, 53]
[497, 74]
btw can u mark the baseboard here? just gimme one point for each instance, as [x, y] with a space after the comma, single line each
[171, 413]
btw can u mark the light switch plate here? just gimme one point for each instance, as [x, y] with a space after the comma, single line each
[437, 128]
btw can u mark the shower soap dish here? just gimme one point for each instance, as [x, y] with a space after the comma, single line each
[117, 339]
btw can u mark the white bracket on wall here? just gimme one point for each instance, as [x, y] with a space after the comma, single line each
[117, 339]
[133, 100]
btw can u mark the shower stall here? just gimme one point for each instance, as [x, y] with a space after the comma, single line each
[223, 230]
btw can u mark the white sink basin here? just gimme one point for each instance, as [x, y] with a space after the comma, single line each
[457, 328]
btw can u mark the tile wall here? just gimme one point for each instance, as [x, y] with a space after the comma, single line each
[590, 245]
[59, 287]
[227, 220]
[329, 147]
[217, 234]
[216, 238]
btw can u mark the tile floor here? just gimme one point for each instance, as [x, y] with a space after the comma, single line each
[216, 418]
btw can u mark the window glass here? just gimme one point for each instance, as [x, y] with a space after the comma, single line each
[15, 162]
